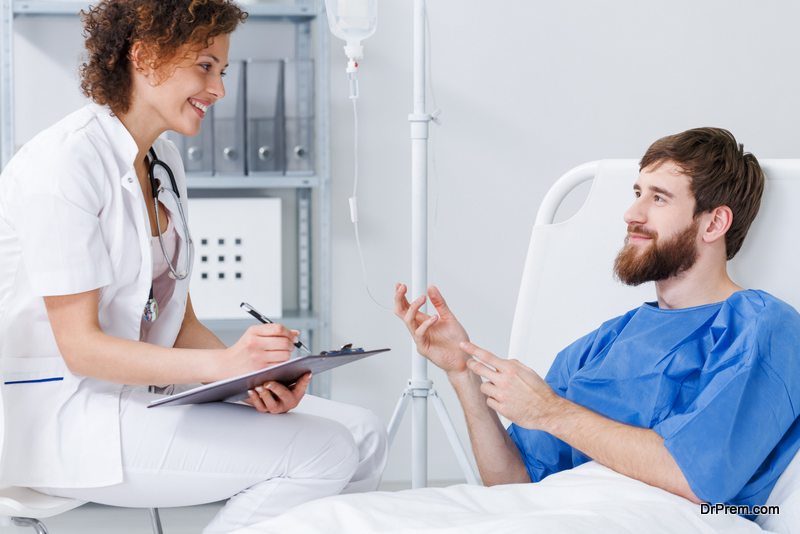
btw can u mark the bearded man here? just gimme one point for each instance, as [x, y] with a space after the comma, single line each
[696, 393]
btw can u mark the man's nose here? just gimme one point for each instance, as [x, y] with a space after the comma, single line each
[635, 214]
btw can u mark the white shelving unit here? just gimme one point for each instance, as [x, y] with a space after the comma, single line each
[313, 194]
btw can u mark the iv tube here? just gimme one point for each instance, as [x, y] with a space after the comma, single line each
[354, 21]
[354, 212]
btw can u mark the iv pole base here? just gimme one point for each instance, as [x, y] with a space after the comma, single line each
[424, 388]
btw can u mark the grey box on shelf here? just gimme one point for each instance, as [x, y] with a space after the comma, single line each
[299, 124]
[265, 117]
[229, 124]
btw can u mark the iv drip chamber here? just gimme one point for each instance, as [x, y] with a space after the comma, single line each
[352, 21]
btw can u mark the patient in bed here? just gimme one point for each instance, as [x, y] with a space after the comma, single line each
[697, 393]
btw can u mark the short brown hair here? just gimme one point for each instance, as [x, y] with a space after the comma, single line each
[721, 174]
[166, 29]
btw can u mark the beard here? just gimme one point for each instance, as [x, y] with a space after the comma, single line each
[659, 261]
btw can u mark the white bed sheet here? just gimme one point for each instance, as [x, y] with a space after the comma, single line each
[589, 498]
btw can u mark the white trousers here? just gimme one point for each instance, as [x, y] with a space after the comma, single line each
[264, 464]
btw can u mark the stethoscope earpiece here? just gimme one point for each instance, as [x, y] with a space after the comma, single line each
[180, 276]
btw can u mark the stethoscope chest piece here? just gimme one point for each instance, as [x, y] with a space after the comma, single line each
[150, 313]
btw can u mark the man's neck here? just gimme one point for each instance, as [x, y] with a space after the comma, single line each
[700, 285]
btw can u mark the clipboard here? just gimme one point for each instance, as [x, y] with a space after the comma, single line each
[235, 389]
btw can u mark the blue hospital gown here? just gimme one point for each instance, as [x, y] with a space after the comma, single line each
[720, 383]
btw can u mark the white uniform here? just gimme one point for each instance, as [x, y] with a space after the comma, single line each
[73, 219]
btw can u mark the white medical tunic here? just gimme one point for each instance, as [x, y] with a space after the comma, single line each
[73, 219]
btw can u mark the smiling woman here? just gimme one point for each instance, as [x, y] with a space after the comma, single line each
[95, 313]
[178, 102]
[166, 35]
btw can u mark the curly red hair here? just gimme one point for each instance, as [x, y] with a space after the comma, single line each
[169, 31]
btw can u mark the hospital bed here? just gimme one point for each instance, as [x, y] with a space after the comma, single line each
[570, 263]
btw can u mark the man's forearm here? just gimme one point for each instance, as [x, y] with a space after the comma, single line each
[632, 451]
[516, 391]
[498, 458]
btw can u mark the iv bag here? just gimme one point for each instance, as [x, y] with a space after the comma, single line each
[352, 20]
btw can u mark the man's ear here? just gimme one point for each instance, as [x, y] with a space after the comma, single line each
[717, 222]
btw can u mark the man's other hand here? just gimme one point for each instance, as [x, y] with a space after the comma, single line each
[514, 390]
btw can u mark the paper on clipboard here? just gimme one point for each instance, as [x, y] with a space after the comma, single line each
[234, 389]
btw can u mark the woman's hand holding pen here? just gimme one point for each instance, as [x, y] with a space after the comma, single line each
[437, 336]
[261, 346]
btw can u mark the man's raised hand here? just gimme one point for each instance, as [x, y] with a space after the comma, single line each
[437, 336]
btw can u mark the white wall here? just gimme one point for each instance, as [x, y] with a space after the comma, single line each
[528, 90]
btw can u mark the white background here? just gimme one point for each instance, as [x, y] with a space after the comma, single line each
[528, 89]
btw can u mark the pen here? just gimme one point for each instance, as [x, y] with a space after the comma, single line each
[258, 315]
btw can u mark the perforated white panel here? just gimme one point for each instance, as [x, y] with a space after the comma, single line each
[237, 256]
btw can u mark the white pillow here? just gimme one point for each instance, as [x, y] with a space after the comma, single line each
[785, 494]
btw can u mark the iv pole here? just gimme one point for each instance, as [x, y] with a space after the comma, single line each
[420, 388]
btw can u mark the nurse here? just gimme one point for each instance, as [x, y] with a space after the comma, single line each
[82, 353]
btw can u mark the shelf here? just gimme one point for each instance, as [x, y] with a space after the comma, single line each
[292, 320]
[250, 182]
[48, 8]
[259, 10]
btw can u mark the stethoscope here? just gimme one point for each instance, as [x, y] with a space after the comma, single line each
[150, 313]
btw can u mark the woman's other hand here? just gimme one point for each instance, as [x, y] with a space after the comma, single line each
[273, 397]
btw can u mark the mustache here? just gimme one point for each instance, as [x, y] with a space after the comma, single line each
[641, 230]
